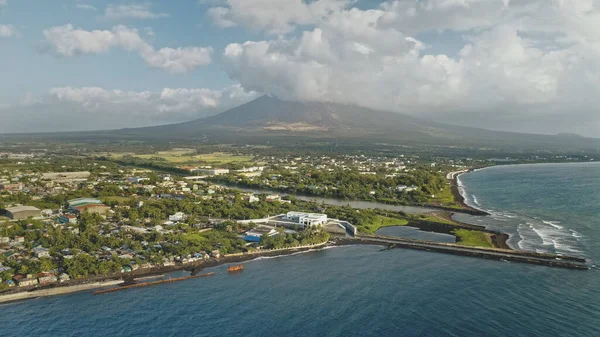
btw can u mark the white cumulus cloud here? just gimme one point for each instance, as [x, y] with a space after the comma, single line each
[8, 31]
[69, 41]
[93, 108]
[276, 17]
[131, 11]
[514, 61]
[85, 7]
[178, 60]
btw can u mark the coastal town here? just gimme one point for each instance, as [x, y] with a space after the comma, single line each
[69, 220]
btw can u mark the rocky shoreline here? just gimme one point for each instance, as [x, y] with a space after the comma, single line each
[95, 282]
[53, 291]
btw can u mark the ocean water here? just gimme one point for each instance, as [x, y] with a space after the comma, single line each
[362, 291]
[544, 207]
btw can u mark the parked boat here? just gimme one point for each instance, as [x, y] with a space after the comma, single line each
[235, 268]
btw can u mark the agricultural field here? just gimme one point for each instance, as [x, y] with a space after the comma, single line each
[185, 156]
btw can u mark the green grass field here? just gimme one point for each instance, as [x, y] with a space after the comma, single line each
[379, 222]
[432, 218]
[182, 156]
[444, 198]
[472, 238]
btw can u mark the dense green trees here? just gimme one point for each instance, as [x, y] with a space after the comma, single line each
[303, 238]
[348, 184]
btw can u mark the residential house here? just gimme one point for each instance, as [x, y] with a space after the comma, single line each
[41, 252]
[25, 280]
[63, 278]
[273, 197]
[46, 278]
[179, 216]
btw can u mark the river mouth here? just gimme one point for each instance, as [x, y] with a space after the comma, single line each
[415, 233]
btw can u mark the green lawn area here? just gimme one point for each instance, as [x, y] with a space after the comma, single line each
[187, 157]
[444, 198]
[43, 205]
[380, 221]
[431, 218]
[472, 238]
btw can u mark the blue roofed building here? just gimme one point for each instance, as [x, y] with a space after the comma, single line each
[255, 234]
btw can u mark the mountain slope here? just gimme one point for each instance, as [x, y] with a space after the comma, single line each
[272, 114]
[272, 117]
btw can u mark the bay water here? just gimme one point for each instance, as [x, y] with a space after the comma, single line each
[362, 291]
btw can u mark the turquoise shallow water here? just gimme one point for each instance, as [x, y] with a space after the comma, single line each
[361, 291]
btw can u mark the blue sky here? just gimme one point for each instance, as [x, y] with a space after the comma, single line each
[185, 26]
[519, 65]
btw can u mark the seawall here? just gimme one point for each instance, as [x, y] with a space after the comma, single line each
[550, 260]
[24, 295]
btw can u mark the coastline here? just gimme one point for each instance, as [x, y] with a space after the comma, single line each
[498, 239]
[117, 279]
[45, 292]
[459, 198]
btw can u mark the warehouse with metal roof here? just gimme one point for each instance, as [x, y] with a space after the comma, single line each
[22, 212]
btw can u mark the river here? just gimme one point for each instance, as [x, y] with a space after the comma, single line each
[342, 202]
[362, 291]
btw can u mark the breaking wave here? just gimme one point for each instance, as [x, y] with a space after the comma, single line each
[475, 201]
[535, 232]
[554, 224]
[575, 234]
[292, 254]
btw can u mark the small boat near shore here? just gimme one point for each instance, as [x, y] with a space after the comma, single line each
[236, 268]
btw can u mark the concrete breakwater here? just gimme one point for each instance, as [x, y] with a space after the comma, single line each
[147, 284]
[25, 295]
[497, 250]
[545, 259]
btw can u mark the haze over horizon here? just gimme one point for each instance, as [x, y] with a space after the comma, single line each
[512, 65]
